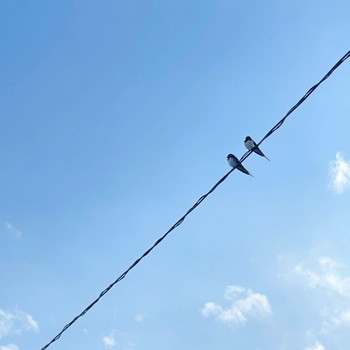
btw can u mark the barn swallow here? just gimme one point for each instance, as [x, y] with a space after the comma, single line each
[251, 146]
[235, 163]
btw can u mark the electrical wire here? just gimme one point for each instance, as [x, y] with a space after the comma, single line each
[309, 92]
[199, 201]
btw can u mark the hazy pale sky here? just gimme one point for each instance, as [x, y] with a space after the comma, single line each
[116, 116]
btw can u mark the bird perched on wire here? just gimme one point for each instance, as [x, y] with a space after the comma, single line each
[235, 163]
[251, 146]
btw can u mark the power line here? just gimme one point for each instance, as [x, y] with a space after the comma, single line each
[309, 92]
[199, 201]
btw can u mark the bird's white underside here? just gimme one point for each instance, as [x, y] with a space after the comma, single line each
[249, 144]
[232, 162]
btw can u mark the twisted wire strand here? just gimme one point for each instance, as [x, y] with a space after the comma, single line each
[199, 201]
[308, 93]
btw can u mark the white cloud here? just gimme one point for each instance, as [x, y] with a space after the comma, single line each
[9, 347]
[316, 346]
[339, 171]
[335, 317]
[342, 319]
[327, 277]
[109, 341]
[139, 318]
[17, 233]
[129, 346]
[31, 323]
[232, 291]
[16, 322]
[249, 305]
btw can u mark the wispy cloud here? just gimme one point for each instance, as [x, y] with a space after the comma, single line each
[339, 171]
[139, 318]
[335, 317]
[129, 346]
[17, 233]
[109, 341]
[244, 304]
[9, 347]
[16, 322]
[316, 346]
[342, 318]
[328, 276]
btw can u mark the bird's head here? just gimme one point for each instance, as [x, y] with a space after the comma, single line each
[248, 138]
[229, 156]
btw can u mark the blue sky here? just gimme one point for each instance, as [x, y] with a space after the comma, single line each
[116, 117]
